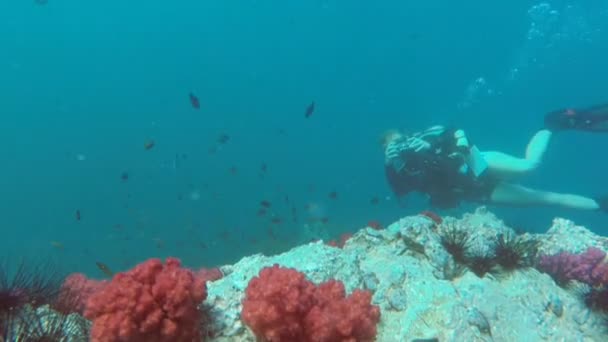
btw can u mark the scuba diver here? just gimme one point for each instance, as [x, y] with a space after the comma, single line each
[442, 163]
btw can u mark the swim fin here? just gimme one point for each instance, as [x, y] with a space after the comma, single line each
[603, 202]
[592, 119]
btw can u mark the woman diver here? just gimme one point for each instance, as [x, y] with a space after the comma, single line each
[441, 163]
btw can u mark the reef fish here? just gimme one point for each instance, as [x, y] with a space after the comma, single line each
[309, 110]
[105, 269]
[194, 101]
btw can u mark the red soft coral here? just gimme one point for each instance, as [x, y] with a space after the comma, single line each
[152, 302]
[282, 305]
[75, 292]
[336, 317]
[275, 303]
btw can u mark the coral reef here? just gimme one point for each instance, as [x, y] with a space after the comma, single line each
[424, 277]
[410, 275]
[152, 302]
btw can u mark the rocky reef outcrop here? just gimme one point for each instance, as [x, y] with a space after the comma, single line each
[427, 291]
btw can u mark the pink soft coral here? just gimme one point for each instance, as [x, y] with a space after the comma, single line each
[75, 292]
[589, 267]
[282, 305]
[152, 302]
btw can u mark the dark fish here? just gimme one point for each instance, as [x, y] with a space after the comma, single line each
[77, 214]
[333, 195]
[261, 212]
[265, 204]
[309, 110]
[124, 176]
[233, 170]
[149, 144]
[223, 138]
[294, 214]
[374, 200]
[196, 104]
[276, 220]
[263, 167]
[324, 220]
[105, 269]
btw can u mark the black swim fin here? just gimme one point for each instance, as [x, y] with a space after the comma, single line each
[592, 119]
[603, 202]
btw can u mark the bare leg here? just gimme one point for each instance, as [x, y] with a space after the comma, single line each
[513, 194]
[505, 166]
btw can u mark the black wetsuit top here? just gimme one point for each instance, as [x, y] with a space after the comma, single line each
[437, 173]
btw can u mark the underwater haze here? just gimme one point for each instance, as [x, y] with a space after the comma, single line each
[138, 129]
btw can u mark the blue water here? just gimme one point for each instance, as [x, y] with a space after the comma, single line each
[84, 85]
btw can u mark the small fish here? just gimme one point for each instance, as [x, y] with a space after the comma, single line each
[196, 104]
[265, 204]
[105, 269]
[223, 138]
[78, 217]
[309, 110]
[294, 214]
[276, 220]
[324, 220]
[263, 167]
[149, 144]
[261, 212]
[233, 170]
[374, 200]
[124, 176]
[333, 195]
[57, 244]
